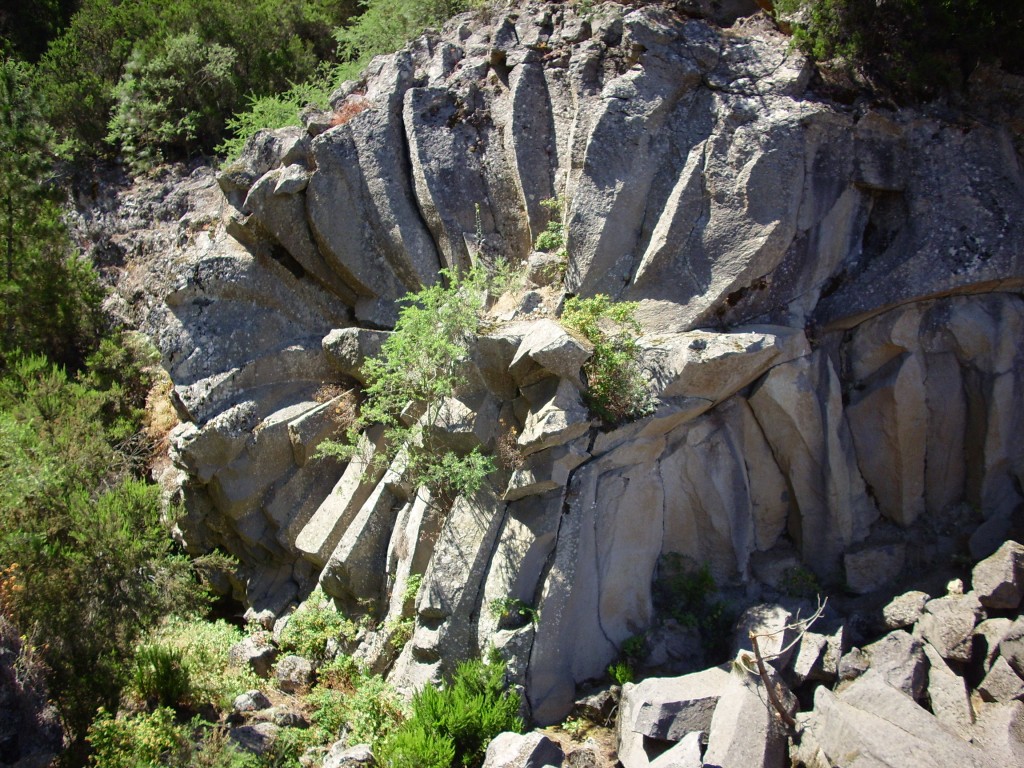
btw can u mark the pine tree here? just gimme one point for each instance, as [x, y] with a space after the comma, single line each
[49, 297]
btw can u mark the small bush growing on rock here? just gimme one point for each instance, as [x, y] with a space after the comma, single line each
[311, 628]
[616, 389]
[422, 363]
[552, 239]
[621, 672]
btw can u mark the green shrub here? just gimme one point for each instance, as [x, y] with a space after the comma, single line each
[423, 362]
[203, 649]
[279, 110]
[316, 622]
[160, 676]
[621, 672]
[688, 594]
[552, 239]
[452, 726]
[172, 97]
[366, 706]
[145, 740]
[616, 388]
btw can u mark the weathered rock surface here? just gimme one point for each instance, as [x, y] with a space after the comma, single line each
[830, 296]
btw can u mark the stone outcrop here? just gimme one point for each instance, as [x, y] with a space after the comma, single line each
[830, 299]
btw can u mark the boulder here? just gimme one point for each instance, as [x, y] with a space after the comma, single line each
[745, 729]
[685, 754]
[872, 568]
[557, 421]
[998, 580]
[294, 674]
[882, 726]
[714, 366]
[999, 730]
[529, 750]
[343, 756]
[948, 696]
[905, 610]
[666, 709]
[900, 660]
[250, 701]
[549, 346]
[948, 624]
[255, 652]
[987, 636]
[257, 739]
[770, 622]
[1001, 683]
[348, 348]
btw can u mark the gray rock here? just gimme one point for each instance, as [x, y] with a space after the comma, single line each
[853, 664]
[348, 348]
[258, 738]
[745, 729]
[799, 407]
[806, 661]
[714, 366]
[999, 730]
[883, 727]
[294, 674]
[666, 709]
[529, 750]
[873, 568]
[905, 610]
[948, 695]
[250, 701]
[256, 652]
[685, 754]
[343, 756]
[987, 636]
[948, 624]
[562, 418]
[998, 580]
[1001, 683]
[549, 346]
[600, 707]
[900, 660]
[771, 624]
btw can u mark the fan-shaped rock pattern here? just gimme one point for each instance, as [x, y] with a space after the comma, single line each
[831, 299]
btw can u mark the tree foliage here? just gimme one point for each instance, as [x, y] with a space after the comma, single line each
[914, 48]
[112, 49]
[50, 297]
[89, 565]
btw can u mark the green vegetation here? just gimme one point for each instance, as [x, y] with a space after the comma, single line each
[513, 611]
[313, 626]
[164, 76]
[201, 648]
[50, 297]
[616, 388]
[621, 672]
[552, 239]
[452, 726]
[914, 48]
[421, 364]
[688, 594]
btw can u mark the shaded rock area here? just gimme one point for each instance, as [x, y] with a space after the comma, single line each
[832, 317]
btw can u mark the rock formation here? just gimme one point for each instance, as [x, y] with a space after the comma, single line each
[830, 296]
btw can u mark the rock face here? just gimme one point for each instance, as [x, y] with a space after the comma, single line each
[830, 298]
